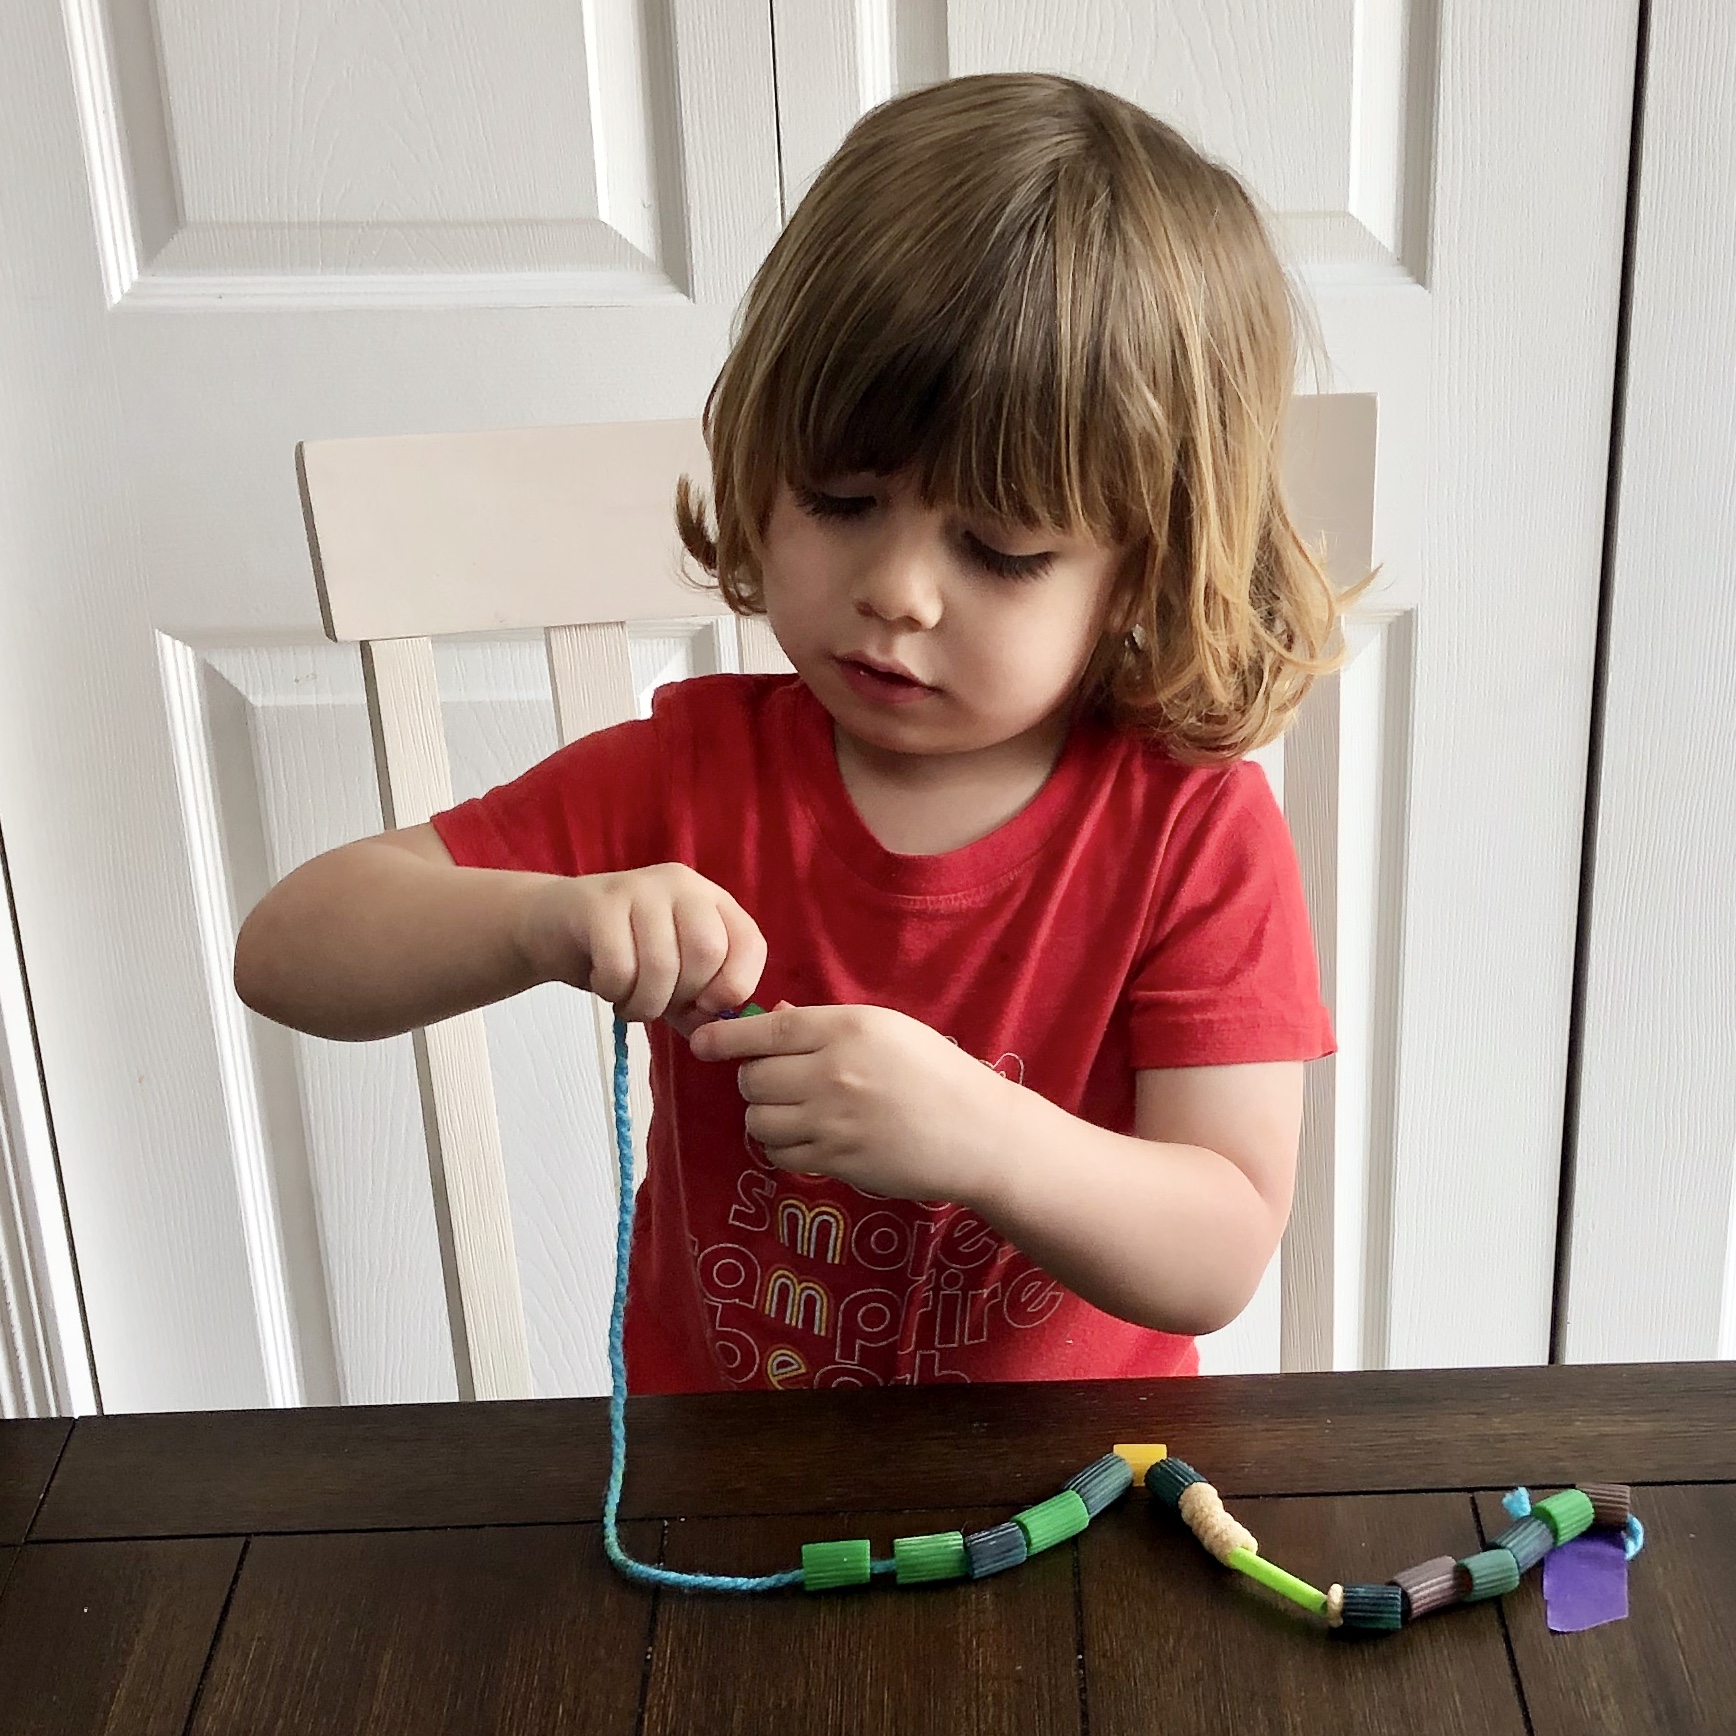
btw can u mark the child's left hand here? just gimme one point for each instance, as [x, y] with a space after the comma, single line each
[865, 1094]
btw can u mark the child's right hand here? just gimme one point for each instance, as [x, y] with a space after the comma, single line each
[658, 942]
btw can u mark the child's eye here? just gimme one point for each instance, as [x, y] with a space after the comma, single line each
[1007, 566]
[818, 505]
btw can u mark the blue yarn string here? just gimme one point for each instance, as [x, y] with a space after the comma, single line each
[643, 1571]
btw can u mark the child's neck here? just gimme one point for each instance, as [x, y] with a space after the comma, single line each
[928, 804]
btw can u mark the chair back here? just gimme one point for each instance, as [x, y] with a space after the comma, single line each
[570, 531]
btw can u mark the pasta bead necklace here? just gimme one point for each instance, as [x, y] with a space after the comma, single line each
[1172, 1485]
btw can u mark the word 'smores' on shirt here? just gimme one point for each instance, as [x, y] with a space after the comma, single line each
[1136, 913]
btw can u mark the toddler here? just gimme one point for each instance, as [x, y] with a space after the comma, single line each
[994, 451]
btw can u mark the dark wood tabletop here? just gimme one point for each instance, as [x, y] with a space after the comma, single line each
[439, 1568]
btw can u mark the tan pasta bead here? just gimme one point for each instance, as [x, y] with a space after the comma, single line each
[1203, 1510]
[1335, 1606]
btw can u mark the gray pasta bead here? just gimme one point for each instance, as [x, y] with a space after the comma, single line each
[1102, 1483]
[1527, 1541]
[1430, 1585]
[994, 1550]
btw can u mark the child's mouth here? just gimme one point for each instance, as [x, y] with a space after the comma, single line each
[881, 685]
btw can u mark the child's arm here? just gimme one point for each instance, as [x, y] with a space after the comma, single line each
[388, 933]
[1171, 1228]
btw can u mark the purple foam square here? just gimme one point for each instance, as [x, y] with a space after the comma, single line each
[1585, 1582]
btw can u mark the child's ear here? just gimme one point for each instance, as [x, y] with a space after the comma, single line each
[1125, 595]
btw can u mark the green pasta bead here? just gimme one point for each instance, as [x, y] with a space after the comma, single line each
[1566, 1514]
[1053, 1521]
[1493, 1573]
[938, 1555]
[825, 1566]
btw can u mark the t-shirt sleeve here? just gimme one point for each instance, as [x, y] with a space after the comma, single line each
[1228, 971]
[596, 806]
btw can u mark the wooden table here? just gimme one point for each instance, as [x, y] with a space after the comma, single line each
[439, 1568]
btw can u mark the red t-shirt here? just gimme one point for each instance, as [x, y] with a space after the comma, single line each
[1136, 913]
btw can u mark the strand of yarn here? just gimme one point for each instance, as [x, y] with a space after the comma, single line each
[1203, 1511]
[643, 1571]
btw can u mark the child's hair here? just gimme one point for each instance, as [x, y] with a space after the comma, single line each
[1057, 314]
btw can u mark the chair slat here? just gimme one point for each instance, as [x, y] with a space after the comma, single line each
[460, 1124]
[761, 654]
[591, 673]
[496, 531]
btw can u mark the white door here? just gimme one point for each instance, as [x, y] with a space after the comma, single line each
[227, 229]
[225, 237]
[1652, 1268]
[1451, 187]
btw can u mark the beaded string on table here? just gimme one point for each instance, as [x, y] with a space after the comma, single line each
[1173, 1484]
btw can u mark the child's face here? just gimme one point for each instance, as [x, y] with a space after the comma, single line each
[922, 632]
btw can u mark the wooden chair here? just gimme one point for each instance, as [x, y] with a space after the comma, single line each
[570, 531]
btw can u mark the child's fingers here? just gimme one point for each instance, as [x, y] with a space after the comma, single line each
[777, 1079]
[744, 961]
[657, 957]
[786, 1030]
[779, 1127]
[703, 942]
[613, 965]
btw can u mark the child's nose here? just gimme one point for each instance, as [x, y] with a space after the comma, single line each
[900, 585]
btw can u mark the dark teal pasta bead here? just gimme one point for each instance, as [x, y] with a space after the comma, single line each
[1527, 1541]
[994, 1550]
[1102, 1483]
[1492, 1573]
[1378, 1608]
[1168, 1477]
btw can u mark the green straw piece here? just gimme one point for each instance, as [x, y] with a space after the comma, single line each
[1274, 1578]
[826, 1566]
[939, 1555]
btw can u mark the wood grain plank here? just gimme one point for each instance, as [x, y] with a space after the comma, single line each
[521, 1629]
[110, 1637]
[415, 1466]
[1669, 1669]
[999, 1655]
[1174, 1641]
[30, 1447]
